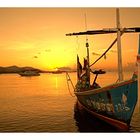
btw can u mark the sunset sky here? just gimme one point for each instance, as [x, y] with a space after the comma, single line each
[36, 36]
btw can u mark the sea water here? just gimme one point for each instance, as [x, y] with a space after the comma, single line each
[44, 104]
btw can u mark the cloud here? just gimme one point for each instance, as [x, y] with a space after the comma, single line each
[35, 57]
[97, 54]
[48, 50]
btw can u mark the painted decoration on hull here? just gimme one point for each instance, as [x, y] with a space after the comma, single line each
[117, 103]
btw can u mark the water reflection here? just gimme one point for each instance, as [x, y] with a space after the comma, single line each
[87, 123]
[43, 104]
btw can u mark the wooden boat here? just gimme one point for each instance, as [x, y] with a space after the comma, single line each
[114, 103]
[57, 72]
[29, 73]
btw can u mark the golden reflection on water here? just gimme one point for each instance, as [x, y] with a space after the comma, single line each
[40, 103]
[56, 82]
[35, 103]
[13, 85]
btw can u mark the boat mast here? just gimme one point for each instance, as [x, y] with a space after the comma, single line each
[87, 46]
[138, 62]
[88, 69]
[120, 70]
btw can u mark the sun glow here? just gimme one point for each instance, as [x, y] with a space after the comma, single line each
[36, 36]
[54, 58]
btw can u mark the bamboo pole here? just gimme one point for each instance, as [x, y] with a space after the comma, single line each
[120, 70]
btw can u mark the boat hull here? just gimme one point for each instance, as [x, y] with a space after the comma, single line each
[29, 73]
[114, 104]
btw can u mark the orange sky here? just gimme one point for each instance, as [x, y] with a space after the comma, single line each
[36, 36]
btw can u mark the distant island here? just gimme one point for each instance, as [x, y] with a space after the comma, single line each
[16, 69]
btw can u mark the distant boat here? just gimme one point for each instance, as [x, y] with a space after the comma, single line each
[114, 103]
[29, 73]
[57, 72]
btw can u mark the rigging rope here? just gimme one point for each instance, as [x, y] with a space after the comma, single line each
[69, 79]
[77, 42]
[106, 50]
